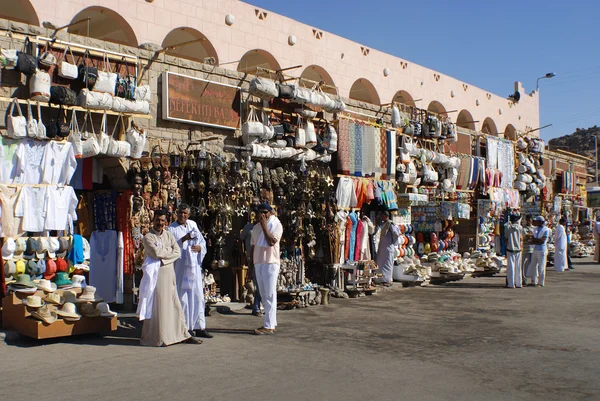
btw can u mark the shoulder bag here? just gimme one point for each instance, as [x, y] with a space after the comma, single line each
[252, 129]
[8, 57]
[107, 80]
[116, 147]
[94, 100]
[136, 136]
[16, 126]
[89, 144]
[41, 134]
[268, 130]
[88, 74]
[310, 133]
[263, 88]
[103, 138]
[57, 126]
[143, 92]
[300, 141]
[66, 69]
[32, 124]
[39, 85]
[26, 63]
[75, 137]
[63, 95]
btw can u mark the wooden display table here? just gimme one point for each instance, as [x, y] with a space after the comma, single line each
[16, 317]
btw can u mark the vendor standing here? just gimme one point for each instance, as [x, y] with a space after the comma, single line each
[266, 261]
[537, 267]
[513, 233]
[386, 252]
[188, 271]
[560, 246]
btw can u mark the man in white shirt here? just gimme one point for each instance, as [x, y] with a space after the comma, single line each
[266, 261]
[188, 271]
[541, 233]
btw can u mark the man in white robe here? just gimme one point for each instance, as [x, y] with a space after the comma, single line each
[188, 271]
[386, 250]
[560, 246]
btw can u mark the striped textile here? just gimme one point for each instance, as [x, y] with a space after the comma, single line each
[343, 153]
[391, 154]
[358, 149]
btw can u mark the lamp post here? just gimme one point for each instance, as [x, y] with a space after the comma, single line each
[548, 75]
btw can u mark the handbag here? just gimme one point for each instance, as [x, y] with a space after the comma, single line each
[268, 130]
[300, 141]
[26, 63]
[136, 136]
[16, 126]
[302, 95]
[107, 80]
[41, 133]
[39, 86]
[63, 95]
[396, 120]
[94, 100]
[286, 91]
[9, 57]
[32, 125]
[88, 75]
[142, 92]
[117, 148]
[66, 69]
[89, 145]
[409, 145]
[47, 59]
[310, 134]
[126, 83]
[263, 88]
[103, 138]
[330, 139]
[404, 156]
[75, 137]
[252, 129]
[58, 127]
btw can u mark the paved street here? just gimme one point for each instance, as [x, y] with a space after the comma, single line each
[469, 340]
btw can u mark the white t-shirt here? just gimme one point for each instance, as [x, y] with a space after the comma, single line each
[61, 208]
[31, 157]
[10, 156]
[31, 205]
[59, 163]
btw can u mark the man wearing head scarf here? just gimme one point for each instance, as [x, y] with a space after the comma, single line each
[386, 251]
[560, 246]
[188, 271]
[527, 252]
[513, 232]
[265, 238]
[537, 266]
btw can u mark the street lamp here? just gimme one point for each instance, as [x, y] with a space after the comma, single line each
[548, 75]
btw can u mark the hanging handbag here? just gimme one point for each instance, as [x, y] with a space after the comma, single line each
[302, 95]
[396, 120]
[286, 91]
[9, 57]
[89, 99]
[300, 141]
[252, 129]
[58, 127]
[47, 59]
[125, 86]
[136, 136]
[32, 124]
[89, 145]
[103, 138]
[75, 137]
[409, 145]
[263, 88]
[310, 133]
[143, 92]
[16, 126]
[66, 69]
[63, 95]
[41, 134]
[268, 130]
[116, 147]
[88, 74]
[107, 80]
[39, 86]
[330, 139]
[26, 63]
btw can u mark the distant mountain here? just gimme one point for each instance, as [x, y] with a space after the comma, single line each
[580, 142]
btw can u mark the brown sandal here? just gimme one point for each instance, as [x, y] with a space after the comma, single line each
[193, 340]
[263, 330]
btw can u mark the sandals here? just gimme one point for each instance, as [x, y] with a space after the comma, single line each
[193, 340]
[263, 331]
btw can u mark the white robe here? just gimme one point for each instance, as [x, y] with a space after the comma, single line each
[560, 248]
[188, 275]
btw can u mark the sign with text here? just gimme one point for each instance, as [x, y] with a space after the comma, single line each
[198, 101]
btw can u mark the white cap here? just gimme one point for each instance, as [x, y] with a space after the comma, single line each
[8, 249]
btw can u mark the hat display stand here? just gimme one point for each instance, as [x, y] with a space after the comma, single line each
[16, 316]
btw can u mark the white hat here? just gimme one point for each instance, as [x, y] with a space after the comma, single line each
[54, 298]
[53, 246]
[45, 315]
[86, 249]
[8, 249]
[68, 311]
[20, 247]
[89, 294]
[105, 310]
[46, 285]
[42, 246]
[33, 301]
[78, 281]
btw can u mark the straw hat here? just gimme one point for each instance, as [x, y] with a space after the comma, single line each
[88, 310]
[8, 249]
[68, 312]
[89, 294]
[105, 310]
[54, 298]
[70, 296]
[45, 315]
[46, 285]
[33, 301]
[86, 249]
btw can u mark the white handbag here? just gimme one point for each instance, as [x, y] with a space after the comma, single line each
[268, 130]
[140, 107]
[121, 105]
[300, 134]
[107, 81]
[32, 125]
[302, 95]
[252, 129]
[66, 69]
[16, 126]
[10, 58]
[330, 142]
[409, 145]
[310, 133]
[143, 92]
[75, 137]
[39, 86]
[41, 134]
[89, 145]
[404, 156]
[136, 136]
[116, 147]
[263, 88]
[103, 138]
[94, 100]
[396, 120]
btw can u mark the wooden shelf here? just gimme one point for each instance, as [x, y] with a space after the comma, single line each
[78, 108]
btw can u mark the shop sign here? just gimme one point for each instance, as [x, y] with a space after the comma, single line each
[199, 101]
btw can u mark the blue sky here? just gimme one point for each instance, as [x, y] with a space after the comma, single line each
[490, 44]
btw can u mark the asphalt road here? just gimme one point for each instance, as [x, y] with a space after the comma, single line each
[469, 340]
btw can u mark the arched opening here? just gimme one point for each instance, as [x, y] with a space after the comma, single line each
[195, 45]
[20, 11]
[255, 59]
[510, 132]
[489, 127]
[104, 24]
[465, 120]
[404, 97]
[314, 74]
[436, 107]
[364, 91]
